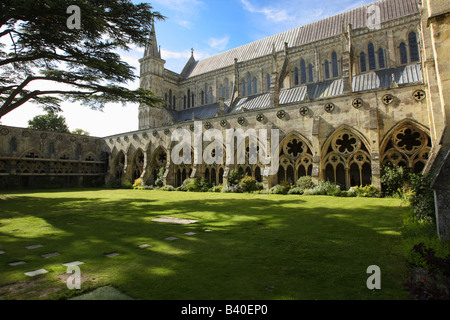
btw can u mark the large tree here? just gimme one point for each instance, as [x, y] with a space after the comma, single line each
[49, 122]
[46, 49]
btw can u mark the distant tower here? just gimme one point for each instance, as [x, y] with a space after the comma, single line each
[152, 78]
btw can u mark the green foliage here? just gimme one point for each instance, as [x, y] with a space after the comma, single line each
[248, 184]
[234, 177]
[197, 185]
[420, 196]
[127, 184]
[413, 188]
[393, 179]
[366, 191]
[80, 132]
[217, 188]
[49, 122]
[305, 182]
[85, 59]
[137, 184]
[279, 189]
[168, 188]
[296, 190]
[324, 188]
[160, 178]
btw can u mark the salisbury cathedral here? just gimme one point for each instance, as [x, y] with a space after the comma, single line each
[348, 95]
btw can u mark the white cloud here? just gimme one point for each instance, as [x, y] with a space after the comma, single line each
[184, 11]
[274, 14]
[219, 43]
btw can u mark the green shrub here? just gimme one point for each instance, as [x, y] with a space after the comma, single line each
[279, 189]
[324, 188]
[366, 191]
[420, 196]
[137, 184]
[393, 179]
[345, 193]
[127, 184]
[296, 190]
[197, 185]
[248, 184]
[234, 177]
[218, 188]
[168, 188]
[305, 182]
[160, 178]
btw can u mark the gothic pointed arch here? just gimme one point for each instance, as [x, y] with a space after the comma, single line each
[295, 158]
[158, 161]
[407, 144]
[346, 158]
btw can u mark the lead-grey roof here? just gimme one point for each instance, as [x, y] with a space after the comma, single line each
[375, 80]
[322, 29]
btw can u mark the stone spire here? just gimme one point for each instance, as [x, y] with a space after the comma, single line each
[152, 48]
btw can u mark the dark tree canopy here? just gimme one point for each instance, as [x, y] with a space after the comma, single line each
[49, 122]
[43, 48]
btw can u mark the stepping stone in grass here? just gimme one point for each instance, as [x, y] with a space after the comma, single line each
[112, 255]
[143, 246]
[174, 220]
[35, 246]
[190, 233]
[171, 238]
[49, 255]
[72, 264]
[207, 230]
[36, 272]
[2, 252]
[17, 263]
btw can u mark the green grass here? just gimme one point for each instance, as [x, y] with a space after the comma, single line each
[301, 247]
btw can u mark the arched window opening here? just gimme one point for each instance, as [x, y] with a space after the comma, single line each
[334, 63]
[413, 47]
[362, 61]
[371, 55]
[327, 69]
[311, 73]
[302, 72]
[381, 62]
[403, 53]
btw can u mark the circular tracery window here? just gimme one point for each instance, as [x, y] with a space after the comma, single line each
[294, 148]
[346, 143]
[409, 140]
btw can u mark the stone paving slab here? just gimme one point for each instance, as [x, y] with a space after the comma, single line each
[49, 255]
[112, 255]
[143, 246]
[17, 263]
[2, 252]
[171, 238]
[72, 264]
[190, 233]
[35, 272]
[174, 220]
[35, 246]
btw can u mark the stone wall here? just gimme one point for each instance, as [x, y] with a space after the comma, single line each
[37, 159]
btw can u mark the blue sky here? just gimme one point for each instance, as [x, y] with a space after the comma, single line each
[207, 26]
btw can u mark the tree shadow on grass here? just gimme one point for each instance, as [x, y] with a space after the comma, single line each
[303, 251]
